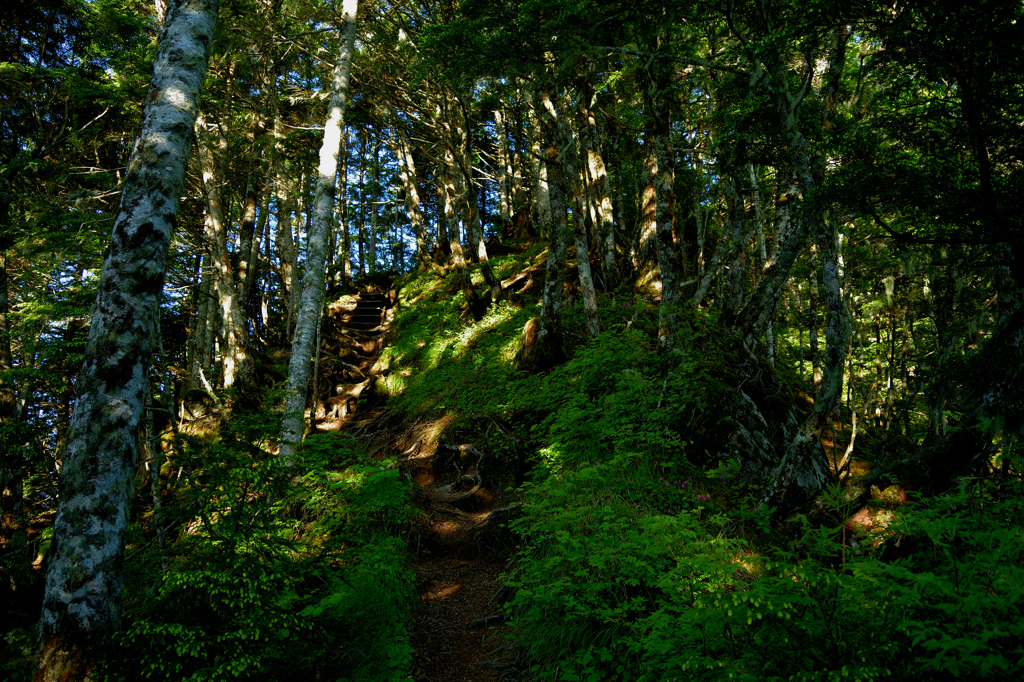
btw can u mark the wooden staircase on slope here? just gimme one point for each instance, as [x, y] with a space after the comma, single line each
[368, 312]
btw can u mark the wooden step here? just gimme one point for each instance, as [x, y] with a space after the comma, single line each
[368, 312]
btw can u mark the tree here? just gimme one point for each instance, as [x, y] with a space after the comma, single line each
[308, 318]
[82, 603]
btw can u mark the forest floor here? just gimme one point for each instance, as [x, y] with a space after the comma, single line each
[459, 570]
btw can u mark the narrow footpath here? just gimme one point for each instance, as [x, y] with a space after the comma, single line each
[457, 634]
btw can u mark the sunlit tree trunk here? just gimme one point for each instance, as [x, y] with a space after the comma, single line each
[648, 226]
[504, 169]
[308, 318]
[538, 171]
[238, 363]
[549, 350]
[571, 176]
[661, 173]
[371, 242]
[82, 603]
[199, 351]
[598, 188]
[407, 174]
[246, 238]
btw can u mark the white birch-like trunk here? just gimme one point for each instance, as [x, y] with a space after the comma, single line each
[82, 602]
[308, 318]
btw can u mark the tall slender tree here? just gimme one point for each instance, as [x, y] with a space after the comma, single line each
[308, 318]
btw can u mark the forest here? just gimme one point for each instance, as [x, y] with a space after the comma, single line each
[511, 340]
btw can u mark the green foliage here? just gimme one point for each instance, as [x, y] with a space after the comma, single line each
[439, 361]
[612, 588]
[960, 590]
[619, 396]
[366, 616]
[281, 569]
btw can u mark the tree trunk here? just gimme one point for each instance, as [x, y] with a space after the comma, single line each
[284, 241]
[539, 172]
[82, 602]
[738, 259]
[238, 363]
[407, 174]
[12, 460]
[762, 250]
[598, 188]
[246, 237]
[571, 174]
[471, 212]
[308, 318]
[371, 242]
[812, 319]
[648, 227]
[504, 170]
[549, 350]
[362, 203]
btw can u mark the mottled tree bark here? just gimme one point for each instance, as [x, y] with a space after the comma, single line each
[641, 253]
[738, 260]
[308, 319]
[769, 334]
[812, 318]
[668, 257]
[82, 602]
[246, 236]
[804, 461]
[284, 240]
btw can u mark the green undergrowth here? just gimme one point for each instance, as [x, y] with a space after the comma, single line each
[642, 559]
[275, 570]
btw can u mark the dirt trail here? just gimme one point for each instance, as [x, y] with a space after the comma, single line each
[456, 633]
